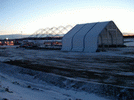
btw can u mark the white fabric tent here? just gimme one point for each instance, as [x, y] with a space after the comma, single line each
[88, 37]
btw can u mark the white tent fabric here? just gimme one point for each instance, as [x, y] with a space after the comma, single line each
[92, 37]
[78, 40]
[87, 37]
[68, 38]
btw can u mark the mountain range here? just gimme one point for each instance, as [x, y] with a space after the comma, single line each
[13, 36]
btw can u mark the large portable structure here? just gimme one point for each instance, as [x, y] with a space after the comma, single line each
[89, 37]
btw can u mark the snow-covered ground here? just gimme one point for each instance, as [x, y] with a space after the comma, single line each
[67, 75]
[15, 85]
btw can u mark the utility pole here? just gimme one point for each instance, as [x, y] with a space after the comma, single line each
[12, 35]
[21, 34]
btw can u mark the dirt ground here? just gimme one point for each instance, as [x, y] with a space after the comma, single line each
[114, 66]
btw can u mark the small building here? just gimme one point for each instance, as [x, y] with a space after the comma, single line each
[91, 36]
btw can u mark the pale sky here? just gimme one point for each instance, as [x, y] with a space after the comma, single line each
[30, 15]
